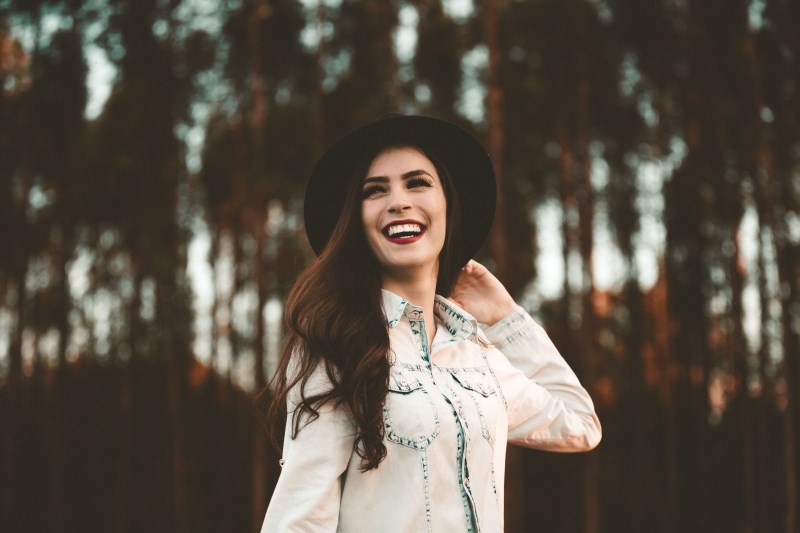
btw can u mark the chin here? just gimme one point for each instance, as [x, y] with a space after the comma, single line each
[407, 264]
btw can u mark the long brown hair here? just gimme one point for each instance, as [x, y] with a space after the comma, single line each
[335, 324]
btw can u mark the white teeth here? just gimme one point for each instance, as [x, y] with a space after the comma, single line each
[414, 229]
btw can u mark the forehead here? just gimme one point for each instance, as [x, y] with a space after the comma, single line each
[397, 160]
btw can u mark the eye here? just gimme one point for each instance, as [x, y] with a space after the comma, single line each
[371, 190]
[418, 182]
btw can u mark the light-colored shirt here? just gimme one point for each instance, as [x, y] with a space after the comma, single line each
[448, 415]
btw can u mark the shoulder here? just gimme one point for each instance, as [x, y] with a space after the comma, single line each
[308, 378]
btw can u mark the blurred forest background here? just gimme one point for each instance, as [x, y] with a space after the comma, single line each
[153, 157]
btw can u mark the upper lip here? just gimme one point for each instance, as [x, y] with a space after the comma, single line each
[404, 221]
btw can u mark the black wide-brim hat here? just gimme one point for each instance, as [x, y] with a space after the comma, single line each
[467, 162]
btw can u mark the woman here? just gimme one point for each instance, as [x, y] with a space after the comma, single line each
[407, 367]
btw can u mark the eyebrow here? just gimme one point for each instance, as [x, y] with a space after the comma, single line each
[405, 176]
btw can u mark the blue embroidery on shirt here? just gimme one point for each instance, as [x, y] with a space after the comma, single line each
[461, 326]
[429, 520]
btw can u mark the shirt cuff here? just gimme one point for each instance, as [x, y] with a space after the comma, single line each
[518, 323]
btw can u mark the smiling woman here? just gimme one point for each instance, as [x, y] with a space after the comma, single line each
[407, 367]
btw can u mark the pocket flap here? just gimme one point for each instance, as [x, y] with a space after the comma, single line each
[475, 381]
[403, 382]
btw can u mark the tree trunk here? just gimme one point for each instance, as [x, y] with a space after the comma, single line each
[14, 403]
[761, 166]
[590, 326]
[258, 220]
[496, 140]
[175, 357]
[743, 403]
[59, 398]
[259, 481]
[127, 434]
[14, 377]
[172, 344]
[791, 373]
[320, 56]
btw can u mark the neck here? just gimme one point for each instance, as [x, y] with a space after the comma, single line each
[417, 287]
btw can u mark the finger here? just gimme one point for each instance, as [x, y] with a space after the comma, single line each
[455, 300]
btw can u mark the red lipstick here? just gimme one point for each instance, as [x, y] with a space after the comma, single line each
[405, 231]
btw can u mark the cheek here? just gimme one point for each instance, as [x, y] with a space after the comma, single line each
[439, 211]
[369, 219]
[365, 215]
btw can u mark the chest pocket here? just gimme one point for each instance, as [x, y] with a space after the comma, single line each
[476, 381]
[409, 416]
[478, 386]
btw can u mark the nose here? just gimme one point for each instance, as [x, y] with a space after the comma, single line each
[399, 201]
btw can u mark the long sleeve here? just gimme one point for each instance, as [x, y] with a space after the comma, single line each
[308, 492]
[548, 408]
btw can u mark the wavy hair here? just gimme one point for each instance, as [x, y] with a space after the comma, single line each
[335, 324]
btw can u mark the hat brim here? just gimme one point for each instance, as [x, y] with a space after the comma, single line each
[466, 160]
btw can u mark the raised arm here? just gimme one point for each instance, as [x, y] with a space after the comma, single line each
[547, 406]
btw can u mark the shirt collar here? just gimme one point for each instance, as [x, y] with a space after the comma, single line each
[394, 306]
[457, 321]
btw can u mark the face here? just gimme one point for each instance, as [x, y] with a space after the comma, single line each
[404, 211]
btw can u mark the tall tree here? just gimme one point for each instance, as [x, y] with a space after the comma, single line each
[781, 98]
[139, 166]
[361, 55]
[256, 157]
[23, 240]
[61, 94]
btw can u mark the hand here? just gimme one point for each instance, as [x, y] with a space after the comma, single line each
[481, 294]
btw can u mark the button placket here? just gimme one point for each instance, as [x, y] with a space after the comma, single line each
[417, 322]
[463, 468]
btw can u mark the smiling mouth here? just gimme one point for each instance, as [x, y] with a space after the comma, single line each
[403, 232]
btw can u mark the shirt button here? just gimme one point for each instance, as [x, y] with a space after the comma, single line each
[466, 482]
